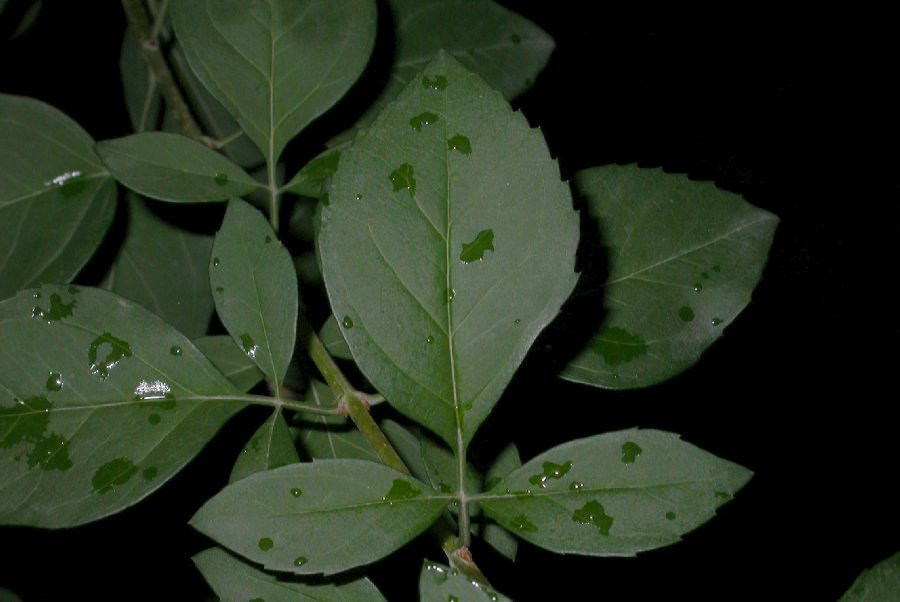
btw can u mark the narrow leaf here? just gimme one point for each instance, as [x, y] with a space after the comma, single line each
[881, 583]
[684, 258]
[232, 579]
[230, 360]
[324, 517]
[270, 447]
[142, 97]
[163, 267]
[255, 288]
[614, 494]
[464, 230]
[331, 437]
[276, 64]
[439, 583]
[496, 536]
[170, 167]
[100, 403]
[56, 198]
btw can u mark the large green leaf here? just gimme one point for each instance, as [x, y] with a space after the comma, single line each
[100, 403]
[276, 64]
[614, 494]
[163, 267]
[439, 583]
[170, 167]
[142, 97]
[506, 49]
[881, 583]
[496, 536]
[684, 258]
[255, 289]
[230, 360]
[450, 212]
[270, 447]
[233, 579]
[56, 198]
[331, 437]
[321, 517]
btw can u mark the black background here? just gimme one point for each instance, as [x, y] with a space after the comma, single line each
[797, 114]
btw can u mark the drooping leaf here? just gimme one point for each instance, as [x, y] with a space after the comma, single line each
[476, 182]
[255, 288]
[331, 437]
[100, 403]
[614, 494]
[321, 517]
[311, 179]
[56, 198]
[333, 339]
[232, 579]
[230, 360]
[684, 258]
[163, 267]
[270, 447]
[881, 583]
[276, 64]
[496, 536]
[170, 167]
[142, 97]
[506, 49]
[439, 583]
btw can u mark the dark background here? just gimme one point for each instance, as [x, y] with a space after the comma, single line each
[797, 114]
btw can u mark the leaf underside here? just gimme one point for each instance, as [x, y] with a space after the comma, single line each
[439, 583]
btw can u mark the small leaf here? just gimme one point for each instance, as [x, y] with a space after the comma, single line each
[142, 97]
[230, 360]
[310, 181]
[684, 258]
[276, 64]
[255, 288]
[232, 579]
[428, 460]
[101, 402]
[496, 536]
[270, 447]
[56, 198]
[349, 513]
[881, 583]
[161, 266]
[439, 583]
[331, 437]
[614, 494]
[170, 167]
[333, 339]
[456, 331]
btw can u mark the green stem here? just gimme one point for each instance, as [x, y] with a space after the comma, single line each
[274, 196]
[159, 20]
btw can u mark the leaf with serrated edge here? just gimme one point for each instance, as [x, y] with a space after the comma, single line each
[276, 64]
[232, 579]
[112, 402]
[56, 198]
[881, 583]
[163, 267]
[439, 583]
[270, 447]
[170, 167]
[330, 437]
[614, 494]
[255, 288]
[496, 536]
[447, 171]
[233, 363]
[334, 514]
[684, 257]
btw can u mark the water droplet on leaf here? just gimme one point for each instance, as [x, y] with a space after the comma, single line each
[403, 178]
[215, 261]
[57, 311]
[522, 523]
[618, 346]
[550, 471]
[300, 560]
[474, 251]
[429, 339]
[516, 38]
[150, 473]
[154, 418]
[686, 313]
[118, 350]
[670, 515]
[54, 382]
[593, 513]
[426, 118]
[296, 492]
[265, 544]
[630, 451]
[347, 322]
[248, 345]
[175, 350]
[460, 144]
[221, 179]
[438, 83]
[576, 486]
[716, 321]
[698, 286]
[113, 473]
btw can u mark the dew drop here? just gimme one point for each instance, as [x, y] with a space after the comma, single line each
[518, 320]
[401, 490]
[57, 311]
[175, 350]
[704, 275]
[215, 261]
[154, 419]
[686, 313]
[716, 321]
[593, 513]
[452, 598]
[717, 268]
[422, 119]
[113, 473]
[36, 295]
[522, 523]
[268, 239]
[551, 470]
[296, 492]
[475, 250]
[265, 544]
[150, 473]
[359, 197]
[250, 347]
[118, 350]
[300, 560]
[576, 486]
[515, 38]
[221, 179]
[220, 290]
[347, 322]
[438, 83]
[670, 515]
[403, 178]
[698, 286]
[630, 452]
[429, 339]
[460, 144]
[54, 382]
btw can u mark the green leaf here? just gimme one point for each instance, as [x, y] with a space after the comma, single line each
[310, 181]
[100, 403]
[323, 517]
[496, 536]
[56, 198]
[331, 437]
[28, 19]
[333, 339]
[506, 49]
[614, 494]
[163, 267]
[255, 288]
[233, 579]
[142, 97]
[230, 360]
[881, 583]
[404, 205]
[271, 447]
[276, 64]
[170, 167]
[684, 258]
[5, 594]
[439, 583]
